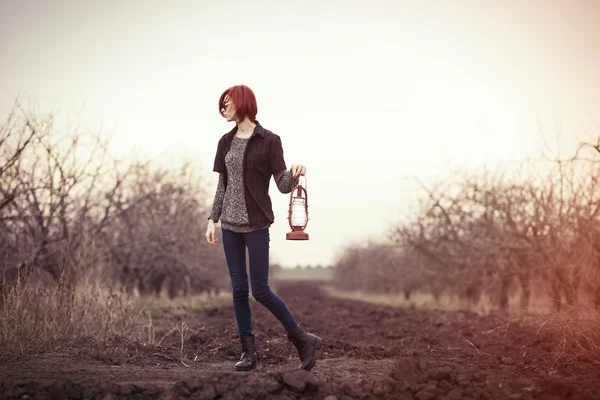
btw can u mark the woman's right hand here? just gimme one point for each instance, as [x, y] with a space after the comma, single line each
[211, 237]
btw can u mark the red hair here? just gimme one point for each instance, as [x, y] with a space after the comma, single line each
[244, 100]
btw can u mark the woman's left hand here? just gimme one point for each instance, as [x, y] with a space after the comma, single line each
[298, 169]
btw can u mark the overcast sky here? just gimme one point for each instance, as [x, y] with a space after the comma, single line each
[367, 94]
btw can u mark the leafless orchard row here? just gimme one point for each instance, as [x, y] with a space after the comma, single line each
[534, 234]
[69, 210]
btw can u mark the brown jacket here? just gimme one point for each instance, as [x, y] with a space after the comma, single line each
[263, 157]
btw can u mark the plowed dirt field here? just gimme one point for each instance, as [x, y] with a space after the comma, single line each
[369, 352]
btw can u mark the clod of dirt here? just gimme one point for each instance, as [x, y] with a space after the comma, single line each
[558, 390]
[439, 374]
[407, 370]
[298, 380]
[429, 392]
[350, 389]
[508, 360]
[455, 394]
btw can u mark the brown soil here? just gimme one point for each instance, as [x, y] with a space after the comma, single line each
[369, 352]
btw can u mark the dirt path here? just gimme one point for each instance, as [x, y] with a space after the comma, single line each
[369, 352]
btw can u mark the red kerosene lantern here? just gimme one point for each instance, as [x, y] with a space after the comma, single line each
[298, 212]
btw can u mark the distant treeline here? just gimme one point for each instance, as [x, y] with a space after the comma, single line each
[534, 234]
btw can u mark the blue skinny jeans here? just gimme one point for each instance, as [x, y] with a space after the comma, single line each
[257, 242]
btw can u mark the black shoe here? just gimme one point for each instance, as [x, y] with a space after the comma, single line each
[308, 346]
[248, 358]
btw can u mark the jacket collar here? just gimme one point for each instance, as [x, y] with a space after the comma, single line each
[258, 129]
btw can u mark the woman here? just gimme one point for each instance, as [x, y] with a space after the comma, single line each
[246, 159]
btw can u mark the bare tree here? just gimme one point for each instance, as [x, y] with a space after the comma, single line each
[69, 208]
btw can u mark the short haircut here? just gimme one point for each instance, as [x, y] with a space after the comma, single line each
[244, 100]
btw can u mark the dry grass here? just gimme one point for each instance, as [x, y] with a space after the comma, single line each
[194, 302]
[426, 300]
[418, 300]
[577, 326]
[572, 335]
[35, 319]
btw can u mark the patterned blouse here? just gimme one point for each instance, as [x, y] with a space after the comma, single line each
[229, 204]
